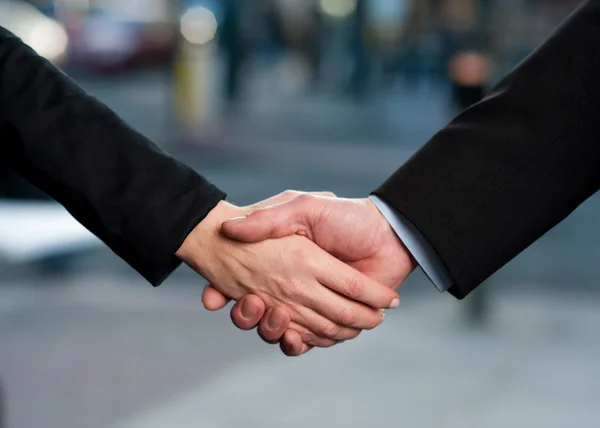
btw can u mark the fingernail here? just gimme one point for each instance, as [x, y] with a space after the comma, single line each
[395, 303]
[249, 310]
[382, 315]
[275, 321]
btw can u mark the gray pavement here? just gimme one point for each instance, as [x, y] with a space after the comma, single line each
[85, 351]
[536, 367]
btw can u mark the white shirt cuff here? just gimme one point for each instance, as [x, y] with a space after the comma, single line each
[415, 242]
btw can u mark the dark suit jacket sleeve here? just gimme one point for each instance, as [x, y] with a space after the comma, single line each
[138, 200]
[510, 168]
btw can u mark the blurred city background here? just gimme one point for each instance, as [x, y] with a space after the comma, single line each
[261, 96]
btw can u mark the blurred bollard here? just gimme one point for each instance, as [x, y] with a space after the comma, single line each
[193, 68]
[470, 73]
[192, 89]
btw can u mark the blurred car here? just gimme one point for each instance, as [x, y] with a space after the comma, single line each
[45, 35]
[104, 39]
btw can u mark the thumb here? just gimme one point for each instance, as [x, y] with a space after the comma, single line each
[278, 221]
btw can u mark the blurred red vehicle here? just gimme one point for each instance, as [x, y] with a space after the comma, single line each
[107, 40]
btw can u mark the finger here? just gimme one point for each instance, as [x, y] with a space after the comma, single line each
[306, 335]
[274, 324]
[342, 311]
[273, 222]
[312, 339]
[322, 326]
[213, 299]
[292, 345]
[351, 283]
[325, 299]
[247, 313]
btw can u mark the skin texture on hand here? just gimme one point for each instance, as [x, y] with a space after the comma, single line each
[352, 230]
[292, 273]
[214, 300]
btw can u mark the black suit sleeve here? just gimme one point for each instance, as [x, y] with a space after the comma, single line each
[138, 200]
[510, 168]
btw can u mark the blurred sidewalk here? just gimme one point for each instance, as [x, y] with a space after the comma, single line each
[100, 352]
[315, 138]
[402, 116]
[278, 104]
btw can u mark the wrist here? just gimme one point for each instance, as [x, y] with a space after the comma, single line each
[384, 225]
[199, 244]
[391, 236]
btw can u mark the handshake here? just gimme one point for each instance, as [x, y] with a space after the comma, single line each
[309, 269]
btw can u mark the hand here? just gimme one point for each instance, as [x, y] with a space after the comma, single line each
[213, 300]
[352, 230]
[292, 273]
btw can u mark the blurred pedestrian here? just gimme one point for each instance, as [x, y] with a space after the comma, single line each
[233, 45]
[359, 50]
[470, 73]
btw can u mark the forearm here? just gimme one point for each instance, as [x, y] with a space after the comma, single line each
[510, 168]
[138, 200]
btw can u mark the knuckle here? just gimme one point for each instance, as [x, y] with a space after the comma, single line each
[329, 330]
[323, 343]
[347, 334]
[299, 257]
[346, 316]
[375, 321]
[290, 193]
[312, 339]
[353, 335]
[353, 288]
[330, 194]
[306, 336]
[305, 197]
[292, 290]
